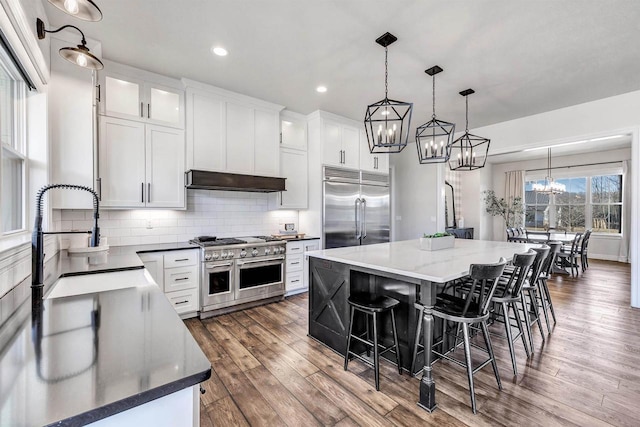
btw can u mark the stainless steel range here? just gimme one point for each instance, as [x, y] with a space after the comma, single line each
[239, 272]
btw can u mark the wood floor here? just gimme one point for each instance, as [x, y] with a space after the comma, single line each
[267, 372]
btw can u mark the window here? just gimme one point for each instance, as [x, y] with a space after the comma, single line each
[606, 203]
[589, 202]
[13, 147]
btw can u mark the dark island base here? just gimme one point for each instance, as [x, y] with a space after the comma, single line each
[331, 283]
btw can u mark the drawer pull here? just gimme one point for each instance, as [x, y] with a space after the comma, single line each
[295, 263]
[182, 259]
[181, 302]
[295, 281]
[181, 278]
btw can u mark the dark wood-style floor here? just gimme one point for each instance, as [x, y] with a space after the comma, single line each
[267, 372]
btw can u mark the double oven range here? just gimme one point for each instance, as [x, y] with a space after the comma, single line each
[239, 272]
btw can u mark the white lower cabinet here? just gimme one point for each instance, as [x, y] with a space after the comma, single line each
[176, 273]
[297, 267]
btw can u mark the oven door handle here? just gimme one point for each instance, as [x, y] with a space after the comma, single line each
[212, 266]
[241, 263]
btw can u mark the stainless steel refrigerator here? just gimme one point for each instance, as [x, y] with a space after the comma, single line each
[355, 208]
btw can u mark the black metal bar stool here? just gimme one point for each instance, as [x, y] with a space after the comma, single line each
[530, 289]
[372, 305]
[543, 289]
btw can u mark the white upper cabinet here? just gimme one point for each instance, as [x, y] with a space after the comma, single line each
[206, 124]
[122, 163]
[293, 130]
[265, 160]
[373, 162]
[229, 132]
[164, 167]
[140, 165]
[293, 167]
[341, 144]
[133, 94]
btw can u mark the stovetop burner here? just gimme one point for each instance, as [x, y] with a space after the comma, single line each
[213, 241]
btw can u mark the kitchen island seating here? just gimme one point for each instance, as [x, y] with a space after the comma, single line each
[470, 310]
[530, 308]
[543, 290]
[372, 306]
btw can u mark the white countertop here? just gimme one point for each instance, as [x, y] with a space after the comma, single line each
[406, 259]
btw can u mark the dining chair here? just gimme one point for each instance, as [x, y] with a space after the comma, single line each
[582, 250]
[568, 255]
[467, 311]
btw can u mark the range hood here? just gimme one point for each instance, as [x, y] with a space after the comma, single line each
[207, 180]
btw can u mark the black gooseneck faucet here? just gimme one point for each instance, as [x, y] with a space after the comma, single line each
[37, 239]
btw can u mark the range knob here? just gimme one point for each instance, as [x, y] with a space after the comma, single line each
[214, 255]
[230, 254]
[281, 249]
[267, 251]
[223, 255]
[243, 253]
[207, 257]
[254, 252]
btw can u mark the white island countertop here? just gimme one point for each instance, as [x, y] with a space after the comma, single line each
[405, 258]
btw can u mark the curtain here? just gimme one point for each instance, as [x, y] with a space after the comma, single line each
[514, 187]
[623, 255]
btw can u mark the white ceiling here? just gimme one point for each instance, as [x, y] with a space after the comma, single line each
[521, 57]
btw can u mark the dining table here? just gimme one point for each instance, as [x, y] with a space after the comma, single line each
[401, 270]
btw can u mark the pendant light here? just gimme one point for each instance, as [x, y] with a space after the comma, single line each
[434, 138]
[469, 152]
[550, 186]
[78, 55]
[81, 9]
[387, 122]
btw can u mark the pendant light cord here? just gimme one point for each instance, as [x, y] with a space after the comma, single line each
[386, 73]
[466, 98]
[434, 96]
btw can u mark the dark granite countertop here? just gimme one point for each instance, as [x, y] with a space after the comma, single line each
[87, 357]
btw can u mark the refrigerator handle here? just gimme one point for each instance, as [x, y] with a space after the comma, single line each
[363, 233]
[357, 208]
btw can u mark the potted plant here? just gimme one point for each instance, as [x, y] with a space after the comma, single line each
[512, 212]
[437, 241]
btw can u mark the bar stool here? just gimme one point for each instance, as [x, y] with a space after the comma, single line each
[543, 290]
[530, 289]
[472, 309]
[372, 305]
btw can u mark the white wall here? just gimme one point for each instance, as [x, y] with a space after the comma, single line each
[418, 195]
[213, 213]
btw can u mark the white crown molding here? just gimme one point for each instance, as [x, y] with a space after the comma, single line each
[193, 85]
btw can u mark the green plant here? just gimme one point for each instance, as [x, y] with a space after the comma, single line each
[433, 236]
[512, 212]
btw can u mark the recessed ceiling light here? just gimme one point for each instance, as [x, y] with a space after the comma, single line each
[321, 89]
[220, 51]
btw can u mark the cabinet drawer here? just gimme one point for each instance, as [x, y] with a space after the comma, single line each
[294, 281]
[180, 258]
[179, 278]
[294, 262]
[294, 248]
[184, 301]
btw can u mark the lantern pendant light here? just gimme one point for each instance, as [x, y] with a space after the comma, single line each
[434, 138]
[469, 152]
[387, 122]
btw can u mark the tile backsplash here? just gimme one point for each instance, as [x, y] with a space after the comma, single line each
[217, 213]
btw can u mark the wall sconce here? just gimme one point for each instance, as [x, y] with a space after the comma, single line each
[81, 9]
[78, 55]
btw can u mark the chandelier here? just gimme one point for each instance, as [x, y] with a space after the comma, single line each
[469, 152]
[550, 186]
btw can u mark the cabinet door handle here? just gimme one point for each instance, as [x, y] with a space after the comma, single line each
[182, 259]
[141, 109]
[295, 263]
[344, 157]
[295, 281]
[99, 182]
[181, 278]
[142, 192]
[181, 302]
[98, 93]
[149, 193]
[148, 111]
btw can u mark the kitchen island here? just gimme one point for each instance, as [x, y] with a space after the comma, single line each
[399, 270]
[105, 346]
